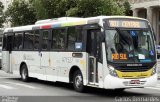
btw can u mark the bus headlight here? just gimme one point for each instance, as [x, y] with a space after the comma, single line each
[112, 71]
[154, 69]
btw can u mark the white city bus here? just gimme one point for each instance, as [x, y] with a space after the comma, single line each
[110, 52]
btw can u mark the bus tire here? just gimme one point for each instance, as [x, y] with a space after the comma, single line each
[24, 73]
[78, 81]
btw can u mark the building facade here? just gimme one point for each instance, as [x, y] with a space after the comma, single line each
[148, 9]
[6, 3]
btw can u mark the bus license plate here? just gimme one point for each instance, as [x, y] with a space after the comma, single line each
[135, 82]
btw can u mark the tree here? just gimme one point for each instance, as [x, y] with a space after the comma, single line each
[88, 8]
[21, 13]
[81, 8]
[1, 15]
[127, 7]
[45, 9]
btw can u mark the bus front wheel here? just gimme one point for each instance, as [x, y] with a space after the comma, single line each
[78, 81]
[24, 73]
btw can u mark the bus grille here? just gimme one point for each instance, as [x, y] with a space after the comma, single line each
[133, 68]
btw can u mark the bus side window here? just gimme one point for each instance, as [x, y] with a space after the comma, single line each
[4, 42]
[45, 35]
[54, 44]
[71, 38]
[58, 38]
[18, 41]
[36, 39]
[61, 39]
[74, 36]
[79, 37]
[28, 40]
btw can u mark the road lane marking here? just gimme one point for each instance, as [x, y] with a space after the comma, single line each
[6, 87]
[24, 85]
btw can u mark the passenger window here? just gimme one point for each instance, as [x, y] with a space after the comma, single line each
[74, 37]
[29, 40]
[71, 38]
[36, 39]
[18, 44]
[45, 40]
[4, 42]
[58, 38]
[79, 33]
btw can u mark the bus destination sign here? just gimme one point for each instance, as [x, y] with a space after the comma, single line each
[127, 23]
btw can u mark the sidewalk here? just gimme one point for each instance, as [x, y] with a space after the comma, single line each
[3, 74]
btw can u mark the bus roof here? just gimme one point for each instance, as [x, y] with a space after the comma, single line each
[64, 21]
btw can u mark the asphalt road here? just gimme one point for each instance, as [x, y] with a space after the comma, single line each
[12, 89]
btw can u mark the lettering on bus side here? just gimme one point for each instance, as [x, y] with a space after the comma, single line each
[67, 59]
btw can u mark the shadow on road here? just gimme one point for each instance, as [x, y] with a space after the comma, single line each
[88, 90]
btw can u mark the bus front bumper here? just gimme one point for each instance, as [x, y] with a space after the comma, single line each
[111, 82]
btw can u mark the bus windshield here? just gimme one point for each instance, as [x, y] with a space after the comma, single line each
[129, 45]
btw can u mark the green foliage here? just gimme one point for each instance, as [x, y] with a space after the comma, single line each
[127, 7]
[81, 8]
[20, 13]
[1, 14]
[111, 7]
[52, 8]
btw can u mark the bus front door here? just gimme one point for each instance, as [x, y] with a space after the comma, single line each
[92, 49]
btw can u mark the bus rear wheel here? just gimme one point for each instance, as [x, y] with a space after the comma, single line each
[78, 81]
[24, 73]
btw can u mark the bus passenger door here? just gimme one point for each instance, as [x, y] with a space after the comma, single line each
[7, 52]
[92, 50]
